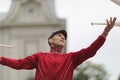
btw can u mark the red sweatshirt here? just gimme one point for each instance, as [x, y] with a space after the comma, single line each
[52, 66]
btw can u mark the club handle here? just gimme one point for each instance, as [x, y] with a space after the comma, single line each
[116, 24]
[4, 45]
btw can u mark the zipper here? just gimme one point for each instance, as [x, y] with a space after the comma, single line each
[43, 78]
[55, 64]
[67, 70]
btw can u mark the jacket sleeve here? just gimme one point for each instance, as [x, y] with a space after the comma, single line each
[85, 53]
[28, 62]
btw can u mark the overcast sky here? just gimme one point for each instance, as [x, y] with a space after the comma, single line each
[79, 15]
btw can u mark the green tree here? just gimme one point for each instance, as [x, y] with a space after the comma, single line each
[119, 77]
[90, 71]
[30, 78]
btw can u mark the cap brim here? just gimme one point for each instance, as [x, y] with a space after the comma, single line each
[60, 31]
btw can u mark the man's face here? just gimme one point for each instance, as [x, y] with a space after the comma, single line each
[58, 40]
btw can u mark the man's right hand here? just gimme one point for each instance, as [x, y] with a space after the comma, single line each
[110, 24]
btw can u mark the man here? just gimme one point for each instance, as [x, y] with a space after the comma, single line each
[55, 65]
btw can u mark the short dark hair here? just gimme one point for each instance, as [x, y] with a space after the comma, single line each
[56, 32]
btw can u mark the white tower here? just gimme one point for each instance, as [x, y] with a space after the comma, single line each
[27, 26]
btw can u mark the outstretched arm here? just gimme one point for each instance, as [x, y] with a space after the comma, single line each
[110, 25]
[28, 62]
[90, 51]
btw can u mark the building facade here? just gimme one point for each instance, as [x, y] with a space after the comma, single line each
[27, 26]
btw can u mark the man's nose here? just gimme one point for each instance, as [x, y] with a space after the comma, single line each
[62, 38]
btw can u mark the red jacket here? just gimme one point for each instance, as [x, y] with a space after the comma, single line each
[52, 66]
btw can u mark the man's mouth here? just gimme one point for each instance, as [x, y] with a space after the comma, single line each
[62, 40]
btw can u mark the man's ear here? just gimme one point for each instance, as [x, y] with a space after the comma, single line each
[50, 40]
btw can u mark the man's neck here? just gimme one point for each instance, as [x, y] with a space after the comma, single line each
[56, 49]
